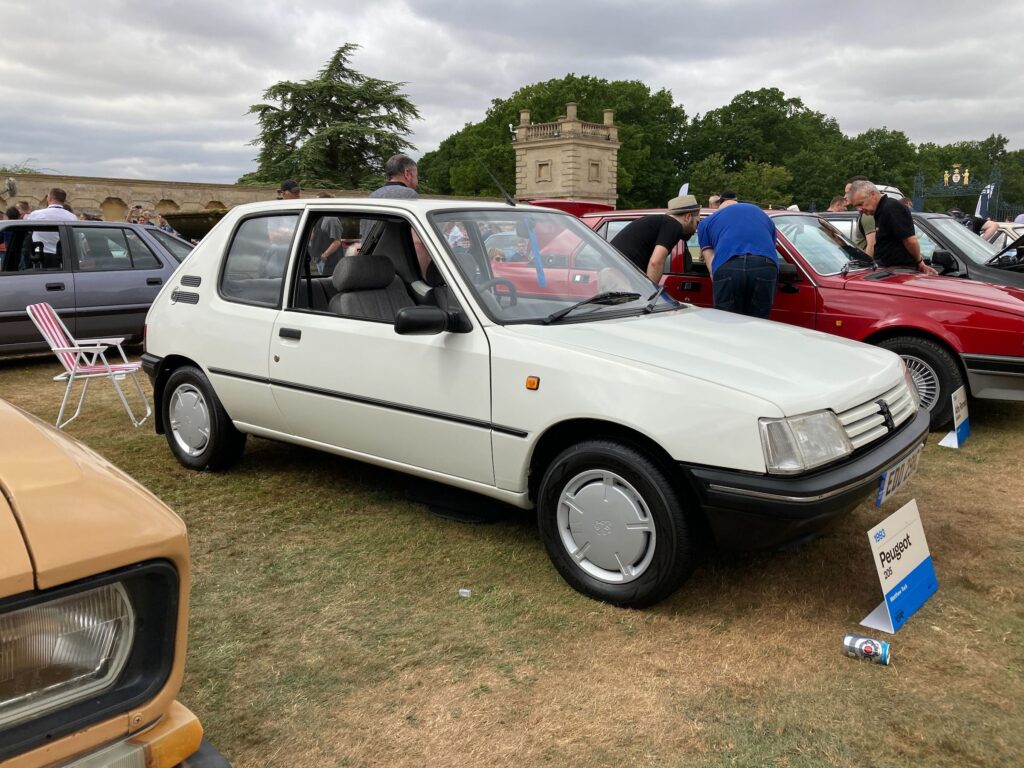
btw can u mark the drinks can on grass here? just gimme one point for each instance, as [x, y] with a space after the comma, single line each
[860, 647]
[463, 592]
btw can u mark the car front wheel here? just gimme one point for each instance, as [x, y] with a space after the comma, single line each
[198, 430]
[613, 524]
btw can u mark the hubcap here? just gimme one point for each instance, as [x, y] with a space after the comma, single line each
[926, 379]
[189, 418]
[606, 527]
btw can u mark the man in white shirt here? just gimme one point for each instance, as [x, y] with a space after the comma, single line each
[54, 211]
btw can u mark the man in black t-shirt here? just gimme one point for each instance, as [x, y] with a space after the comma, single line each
[648, 241]
[896, 242]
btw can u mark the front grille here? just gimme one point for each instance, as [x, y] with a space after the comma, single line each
[866, 423]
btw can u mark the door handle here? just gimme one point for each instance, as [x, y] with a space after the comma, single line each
[55, 286]
[290, 333]
[153, 281]
[691, 286]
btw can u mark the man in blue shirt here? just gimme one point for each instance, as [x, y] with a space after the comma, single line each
[738, 242]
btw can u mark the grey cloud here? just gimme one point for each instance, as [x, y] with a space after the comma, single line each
[118, 88]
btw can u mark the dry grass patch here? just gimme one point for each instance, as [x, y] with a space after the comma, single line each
[326, 627]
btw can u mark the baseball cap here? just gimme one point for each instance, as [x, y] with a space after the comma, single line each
[683, 204]
[289, 186]
[727, 194]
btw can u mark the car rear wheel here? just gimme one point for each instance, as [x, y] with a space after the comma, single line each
[198, 430]
[613, 524]
[935, 373]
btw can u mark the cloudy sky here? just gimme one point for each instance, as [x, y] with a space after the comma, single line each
[161, 91]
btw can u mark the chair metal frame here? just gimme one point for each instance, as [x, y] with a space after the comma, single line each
[85, 360]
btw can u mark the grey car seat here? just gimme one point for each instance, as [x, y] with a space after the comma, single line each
[368, 288]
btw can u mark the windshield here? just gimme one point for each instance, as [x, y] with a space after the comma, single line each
[527, 266]
[966, 242]
[822, 246]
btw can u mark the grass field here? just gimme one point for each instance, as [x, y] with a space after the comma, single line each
[327, 629]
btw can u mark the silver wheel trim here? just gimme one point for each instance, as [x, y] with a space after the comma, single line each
[606, 527]
[188, 415]
[926, 379]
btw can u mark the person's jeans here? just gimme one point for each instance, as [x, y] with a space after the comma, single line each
[745, 284]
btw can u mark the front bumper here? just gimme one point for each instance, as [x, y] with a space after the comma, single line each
[176, 741]
[748, 511]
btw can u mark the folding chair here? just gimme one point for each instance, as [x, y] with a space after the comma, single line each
[85, 360]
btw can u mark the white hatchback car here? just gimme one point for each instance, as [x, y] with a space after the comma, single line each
[642, 429]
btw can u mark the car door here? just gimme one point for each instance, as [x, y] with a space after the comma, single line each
[29, 275]
[351, 383]
[117, 276]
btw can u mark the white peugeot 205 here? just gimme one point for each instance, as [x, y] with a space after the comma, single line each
[554, 375]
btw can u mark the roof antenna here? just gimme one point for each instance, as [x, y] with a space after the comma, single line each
[508, 198]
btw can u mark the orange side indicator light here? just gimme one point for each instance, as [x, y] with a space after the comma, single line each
[533, 383]
[839, 323]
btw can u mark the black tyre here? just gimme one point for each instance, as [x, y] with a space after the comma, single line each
[614, 525]
[198, 430]
[935, 373]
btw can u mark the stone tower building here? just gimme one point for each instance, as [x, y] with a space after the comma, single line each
[569, 158]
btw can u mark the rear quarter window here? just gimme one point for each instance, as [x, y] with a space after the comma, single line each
[256, 261]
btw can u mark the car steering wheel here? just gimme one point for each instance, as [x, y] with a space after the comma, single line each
[512, 294]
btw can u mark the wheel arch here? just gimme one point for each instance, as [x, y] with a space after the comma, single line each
[560, 436]
[892, 332]
[167, 366]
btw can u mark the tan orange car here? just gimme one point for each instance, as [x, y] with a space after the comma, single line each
[94, 584]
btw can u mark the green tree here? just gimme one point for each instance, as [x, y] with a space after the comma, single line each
[336, 130]
[764, 184]
[651, 128]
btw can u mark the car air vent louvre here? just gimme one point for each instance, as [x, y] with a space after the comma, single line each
[882, 275]
[185, 297]
[192, 281]
[866, 423]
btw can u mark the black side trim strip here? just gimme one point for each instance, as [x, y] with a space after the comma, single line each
[1009, 365]
[375, 402]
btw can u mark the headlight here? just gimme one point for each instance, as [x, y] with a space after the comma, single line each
[800, 443]
[56, 653]
[908, 377]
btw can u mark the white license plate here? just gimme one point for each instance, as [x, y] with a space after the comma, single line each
[896, 477]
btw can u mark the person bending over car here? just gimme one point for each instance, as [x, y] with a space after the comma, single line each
[648, 241]
[738, 241]
[896, 243]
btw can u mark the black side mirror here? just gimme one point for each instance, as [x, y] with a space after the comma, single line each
[429, 321]
[945, 260]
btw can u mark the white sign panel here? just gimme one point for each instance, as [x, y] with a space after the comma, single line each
[904, 566]
[961, 424]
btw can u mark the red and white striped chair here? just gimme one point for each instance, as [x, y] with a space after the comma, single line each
[85, 360]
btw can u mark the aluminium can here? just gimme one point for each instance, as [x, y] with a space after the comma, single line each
[861, 647]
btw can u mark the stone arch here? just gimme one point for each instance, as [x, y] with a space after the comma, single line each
[167, 206]
[113, 209]
[215, 205]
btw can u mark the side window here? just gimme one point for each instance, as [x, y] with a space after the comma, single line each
[179, 249]
[101, 250]
[927, 244]
[142, 255]
[33, 249]
[253, 270]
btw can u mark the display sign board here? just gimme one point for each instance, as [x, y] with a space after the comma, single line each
[904, 567]
[961, 424]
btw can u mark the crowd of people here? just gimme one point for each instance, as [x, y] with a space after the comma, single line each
[57, 198]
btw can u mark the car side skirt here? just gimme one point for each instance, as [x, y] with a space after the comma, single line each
[992, 377]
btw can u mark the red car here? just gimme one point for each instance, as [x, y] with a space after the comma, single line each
[950, 332]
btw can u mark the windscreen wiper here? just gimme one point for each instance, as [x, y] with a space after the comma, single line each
[607, 298]
[653, 299]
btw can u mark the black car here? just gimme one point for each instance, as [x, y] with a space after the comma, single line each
[952, 249]
[100, 276]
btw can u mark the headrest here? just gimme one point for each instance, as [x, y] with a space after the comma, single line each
[363, 273]
[432, 276]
